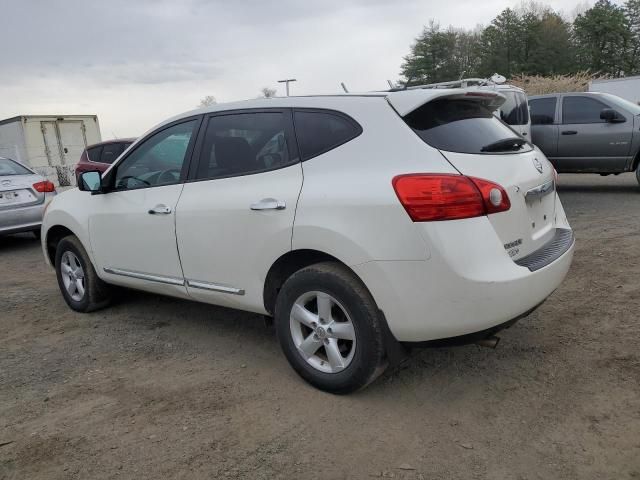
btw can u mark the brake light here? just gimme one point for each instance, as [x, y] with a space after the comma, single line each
[434, 197]
[493, 195]
[44, 187]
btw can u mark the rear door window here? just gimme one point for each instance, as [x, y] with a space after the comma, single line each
[245, 143]
[543, 110]
[462, 126]
[321, 131]
[581, 110]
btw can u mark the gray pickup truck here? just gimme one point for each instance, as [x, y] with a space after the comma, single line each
[587, 132]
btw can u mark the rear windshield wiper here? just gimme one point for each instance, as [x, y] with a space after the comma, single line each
[504, 145]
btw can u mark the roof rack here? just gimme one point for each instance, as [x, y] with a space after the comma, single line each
[495, 79]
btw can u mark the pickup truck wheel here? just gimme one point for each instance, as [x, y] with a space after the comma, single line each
[328, 326]
[80, 286]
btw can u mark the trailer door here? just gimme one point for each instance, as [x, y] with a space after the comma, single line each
[72, 140]
[51, 142]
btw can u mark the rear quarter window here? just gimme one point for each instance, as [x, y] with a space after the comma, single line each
[461, 126]
[94, 153]
[514, 110]
[320, 131]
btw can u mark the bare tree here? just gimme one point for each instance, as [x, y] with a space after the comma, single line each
[268, 92]
[207, 101]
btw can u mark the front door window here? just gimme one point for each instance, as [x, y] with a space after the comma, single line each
[158, 160]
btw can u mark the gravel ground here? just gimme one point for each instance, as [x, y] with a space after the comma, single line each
[161, 388]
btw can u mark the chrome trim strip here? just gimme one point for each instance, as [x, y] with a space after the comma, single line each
[540, 190]
[214, 287]
[145, 276]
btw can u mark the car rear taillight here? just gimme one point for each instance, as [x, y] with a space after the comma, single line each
[44, 187]
[433, 197]
[493, 195]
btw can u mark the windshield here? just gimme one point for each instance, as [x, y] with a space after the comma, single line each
[622, 103]
[463, 126]
[9, 167]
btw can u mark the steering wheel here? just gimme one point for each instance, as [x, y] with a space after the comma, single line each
[123, 181]
[170, 171]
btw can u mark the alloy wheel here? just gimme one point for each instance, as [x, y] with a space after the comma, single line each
[322, 332]
[72, 275]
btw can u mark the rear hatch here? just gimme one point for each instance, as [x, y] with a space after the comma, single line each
[18, 191]
[460, 124]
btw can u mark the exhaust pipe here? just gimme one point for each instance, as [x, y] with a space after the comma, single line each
[489, 342]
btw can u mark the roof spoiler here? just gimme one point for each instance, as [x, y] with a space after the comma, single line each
[405, 102]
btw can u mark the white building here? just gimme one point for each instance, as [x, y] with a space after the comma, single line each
[50, 144]
[626, 87]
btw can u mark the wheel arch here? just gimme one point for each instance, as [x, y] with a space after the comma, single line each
[636, 161]
[53, 236]
[292, 261]
[289, 263]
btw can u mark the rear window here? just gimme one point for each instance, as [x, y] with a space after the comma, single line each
[9, 167]
[461, 126]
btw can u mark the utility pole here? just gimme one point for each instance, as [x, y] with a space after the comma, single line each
[287, 81]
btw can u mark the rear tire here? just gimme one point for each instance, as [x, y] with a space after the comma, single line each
[329, 328]
[80, 286]
[638, 173]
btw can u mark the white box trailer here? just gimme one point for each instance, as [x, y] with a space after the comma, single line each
[49, 144]
[626, 87]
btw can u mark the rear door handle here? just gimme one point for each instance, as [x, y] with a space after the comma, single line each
[269, 204]
[569, 132]
[160, 210]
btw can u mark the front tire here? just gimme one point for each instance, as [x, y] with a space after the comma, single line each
[329, 328]
[80, 286]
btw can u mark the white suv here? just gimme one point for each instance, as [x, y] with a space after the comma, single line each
[361, 223]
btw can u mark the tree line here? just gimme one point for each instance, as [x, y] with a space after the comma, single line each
[532, 39]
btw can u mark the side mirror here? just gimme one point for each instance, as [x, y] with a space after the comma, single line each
[610, 115]
[90, 182]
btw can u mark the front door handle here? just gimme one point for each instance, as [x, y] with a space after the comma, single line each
[569, 132]
[160, 210]
[269, 204]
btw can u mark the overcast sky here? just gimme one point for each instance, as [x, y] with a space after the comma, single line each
[135, 63]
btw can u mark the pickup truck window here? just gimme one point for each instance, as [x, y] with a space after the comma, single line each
[581, 110]
[543, 110]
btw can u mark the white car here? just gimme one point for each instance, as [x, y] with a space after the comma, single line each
[361, 223]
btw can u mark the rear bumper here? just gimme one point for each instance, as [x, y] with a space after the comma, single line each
[22, 219]
[470, 284]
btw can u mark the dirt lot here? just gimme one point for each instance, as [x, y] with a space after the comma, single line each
[161, 388]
